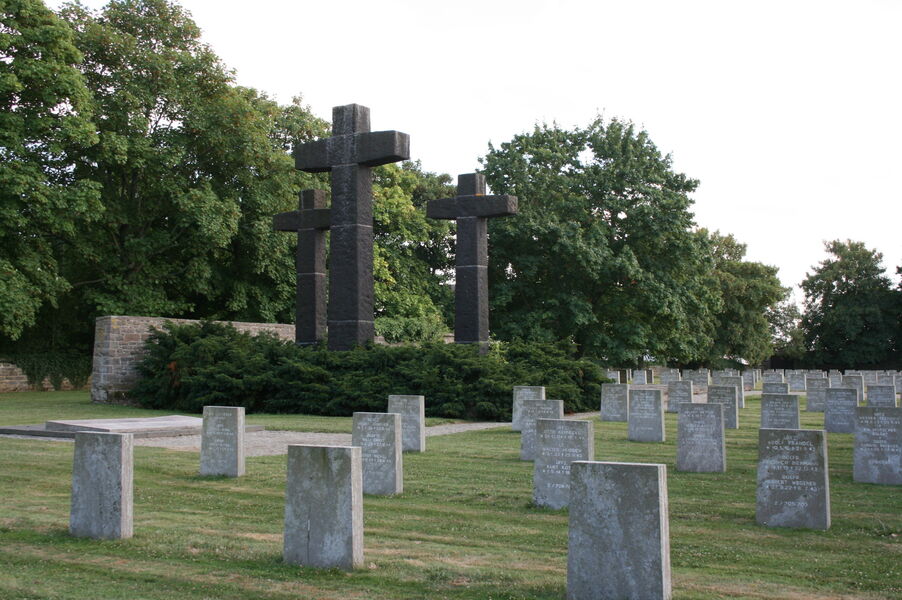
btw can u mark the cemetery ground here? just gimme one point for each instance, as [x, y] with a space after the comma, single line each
[465, 526]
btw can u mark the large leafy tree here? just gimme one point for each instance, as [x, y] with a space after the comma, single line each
[852, 312]
[603, 251]
[43, 115]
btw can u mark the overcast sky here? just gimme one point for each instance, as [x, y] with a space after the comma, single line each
[788, 112]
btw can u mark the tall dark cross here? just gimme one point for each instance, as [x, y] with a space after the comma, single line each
[350, 154]
[471, 208]
[310, 221]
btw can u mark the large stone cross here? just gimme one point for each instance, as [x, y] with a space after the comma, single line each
[310, 221]
[350, 154]
[471, 208]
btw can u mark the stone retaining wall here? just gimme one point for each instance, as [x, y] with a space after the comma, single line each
[13, 379]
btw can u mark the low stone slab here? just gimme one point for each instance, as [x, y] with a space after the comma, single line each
[379, 438]
[324, 507]
[816, 393]
[533, 410]
[839, 412]
[521, 393]
[128, 425]
[560, 442]
[881, 395]
[413, 421]
[222, 441]
[780, 411]
[877, 454]
[102, 488]
[615, 402]
[646, 416]
[700, 439]
[774, 387]
[619, 532]
[793, 481]
[726, 395]
[678, 392]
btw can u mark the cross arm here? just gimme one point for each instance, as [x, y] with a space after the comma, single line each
[313, 157]
[382, 147]
[369, 149]
[315, 218]
[472, 206]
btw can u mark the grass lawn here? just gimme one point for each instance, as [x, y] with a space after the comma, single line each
[464, 527]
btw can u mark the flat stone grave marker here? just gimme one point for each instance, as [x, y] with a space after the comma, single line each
[615, 402]
[816, 394]
[780, 411]
[700, 439]
[773, 387]
[793, 481]
[881, 395]
[839, 412]
[678, 392]
[726, 395]
[560, 442]
[877, 454]
[533, 410]
[324, 507]
[222, 441]
[646, 416]
[619, 532]
[413, 421]
[102, 488]
[796, 382]
[379, 438]
[521, 393]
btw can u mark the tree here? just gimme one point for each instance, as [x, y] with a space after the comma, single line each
[787, 336]
[851, 317]
[43, 113]
[602, 251]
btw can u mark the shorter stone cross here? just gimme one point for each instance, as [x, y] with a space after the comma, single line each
[310, 221]
[471, 208]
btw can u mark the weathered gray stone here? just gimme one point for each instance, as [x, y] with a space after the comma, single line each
[726, 395]
[678, 392]
[646, 416]
[774, 387]
[615, 402]
[639, 377]
[773, 377]
[835, 380]
[796, 382]
[749, 380]
[881, 395]
[670, 375]
[698, 378]
[521, 393]
[839, 411]
[855, 381]
[613, 375]
[379, 438]
[102, 491]
[533, 410]
[816, 393]
[559, 443]
[413, 421]
[619, 532]
[779, 411]
[700, 439]
[877, 456]
[886, 379]
[324, 507]
[222, 441]
[737, 383]
[793, 480]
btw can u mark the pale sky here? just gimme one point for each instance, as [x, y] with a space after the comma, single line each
[788, 112]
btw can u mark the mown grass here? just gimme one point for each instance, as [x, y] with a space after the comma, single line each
[464, 527]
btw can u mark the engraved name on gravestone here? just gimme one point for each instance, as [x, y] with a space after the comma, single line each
[521, 393]
[102, 493]
[700, 439]
[615, 402]
[877, 455]
[839, 410]
[379, 438]
[533, 410]
[324, 507]
[559, 443]
[678, 392]
[774, 387]
[796, 382]
[816, 393]
[780, 411]
[619, 532]
[793, 484]
[413, 421]
[726, 395]
[881, 395]
[646, 416]
[222, 441]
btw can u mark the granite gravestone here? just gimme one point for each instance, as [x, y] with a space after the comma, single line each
[678, 392]
[222, 441]
[736, 382]
[670, 375]
[614, 376]
[350, 155]
[886, 380]
[619, 532]
[639, 377]
[521, 393]
[816, 393]
[774, 387]
[533, 410]
[854, 381]
[748, 380]
[796, 382]
[413, 421]
[559, 443]
[471, 208]
[726, 395]
[646, 416]
[779, 411]
[877, 454]
[379, 438]
[773, 377]
[615, 402]
[102, 489]
[881, 395]
[793, 481]
[835, 380]
[839, 410]
[324, 507]
[700, 439]
[698, 378]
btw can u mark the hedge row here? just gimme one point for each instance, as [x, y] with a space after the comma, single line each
[189, 366]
